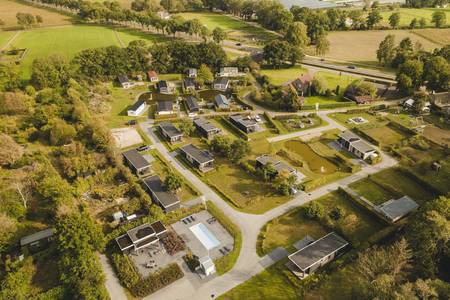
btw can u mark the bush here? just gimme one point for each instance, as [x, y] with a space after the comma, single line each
[157, 281]
[313, 210]
[336, 213]
[173, 243]
[125, 269]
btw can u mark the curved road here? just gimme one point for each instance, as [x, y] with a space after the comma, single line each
[248, 263]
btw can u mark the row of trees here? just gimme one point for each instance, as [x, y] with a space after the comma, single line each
[27, 20]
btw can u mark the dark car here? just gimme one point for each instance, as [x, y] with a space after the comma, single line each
[352, 67]
[131, 122]
[238, 44]
[143, 148]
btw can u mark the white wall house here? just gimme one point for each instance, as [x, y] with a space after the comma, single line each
[137, 108]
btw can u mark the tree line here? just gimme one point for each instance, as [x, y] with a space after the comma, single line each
[416, 67]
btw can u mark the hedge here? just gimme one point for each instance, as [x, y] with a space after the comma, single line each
[125, 269]
[56, 293]
[272, 124]
[226, 263]
[157, 281]
[329, 105]
[402, 128]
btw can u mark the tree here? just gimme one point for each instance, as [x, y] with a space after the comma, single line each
[238, 150]
[438, 18]
[412, 69]
[394, 20]
[373, 19]
[9, 227]
[17, 283]
[414, 23]
[219, 35]
[187, 127]
[276, 53]
[172, 182]
[10, 151]
[297, 35]
[322, 46]
[313, 210]
[61, 133]
[386, 50]
[221, 144]
[204, 75]
[14, 103]
[422, 23]
[319, 85]
[268, 172]
[39, 19]
[25, 19]
[420, 100]
[437, 73]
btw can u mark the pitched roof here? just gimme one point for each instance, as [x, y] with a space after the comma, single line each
[396, 209]
[191, 103]
[137, 104]
[222, 80]
[166, 105]
[136, 159]
[201, 156]
[163, 196]
[152, 74]
[170, 129]
[189, 82]
[221, 100]
[123, 79]
[314, 252]
[163, 84]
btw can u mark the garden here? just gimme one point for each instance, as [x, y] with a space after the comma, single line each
[293, 123]
[332, 212]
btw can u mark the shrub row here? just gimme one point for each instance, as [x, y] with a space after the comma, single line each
[226, 263]
[157, 281]
[424, 184]
[402, 128]
[125, 269]
[56, 293]
[272, 124]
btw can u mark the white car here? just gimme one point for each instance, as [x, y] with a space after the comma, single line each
[258, 118]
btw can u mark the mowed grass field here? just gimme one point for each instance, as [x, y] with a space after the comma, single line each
[236, 29]
[281, 76]
[67, 41]
[9, 9]
[5, 36]
[408, 14]
[361, 46]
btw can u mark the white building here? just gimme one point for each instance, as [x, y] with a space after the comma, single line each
[137, 108]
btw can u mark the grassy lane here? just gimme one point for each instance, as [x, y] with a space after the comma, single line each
[5, 36]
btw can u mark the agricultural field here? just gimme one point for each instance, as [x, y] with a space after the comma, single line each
[408, 14]
[363, 44]
[356, 225]
[9, 9]
[236, 29]
[68, 41]
[282, 76]
[438, 36]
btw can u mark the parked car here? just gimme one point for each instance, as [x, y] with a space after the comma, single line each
[131, 122]
[143, 148]
[258, 118]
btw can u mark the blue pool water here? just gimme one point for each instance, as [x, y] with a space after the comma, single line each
[205, 236]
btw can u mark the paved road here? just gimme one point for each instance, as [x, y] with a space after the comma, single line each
[115, 290]
[248, 263]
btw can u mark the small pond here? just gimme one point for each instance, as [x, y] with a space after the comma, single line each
[316, 163]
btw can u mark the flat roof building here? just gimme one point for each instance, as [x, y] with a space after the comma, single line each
[165, 107]
[245, 123]
[141, 236]
[136, 161]
[166, 199]
[201, 159]
[170, 132]
[206, 128]
[395, 209]
[354, 144]
[318, 253]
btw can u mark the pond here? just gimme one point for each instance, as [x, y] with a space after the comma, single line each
[316, 163]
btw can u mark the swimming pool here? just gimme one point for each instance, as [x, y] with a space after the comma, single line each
[205, 236]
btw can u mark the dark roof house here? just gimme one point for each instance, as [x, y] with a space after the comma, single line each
[192, 104]
[164, 107]
[318, 253]
[356, 145]
[167, 200]
[221, 83]
[245, 123]
[221, 101]
[206, 128]
[302, 83]
[201, 159]
[136, 161]
[395, 209]
[189, 84]
[169, 131]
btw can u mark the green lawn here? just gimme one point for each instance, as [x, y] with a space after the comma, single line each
[408, 14]
[127, 35]
[68, 41]
[344, 117]
[334, 79]
[386, 135]
[274, 283]
[281, 76]
[5, 36]
[372, 191]
[357, 224]
[235, 28]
